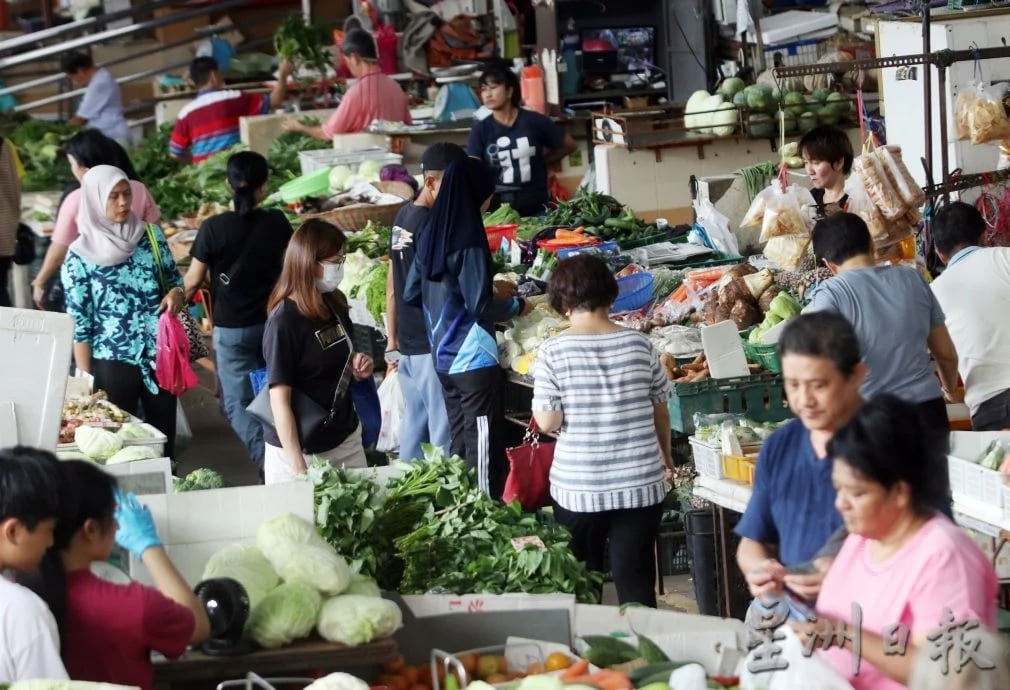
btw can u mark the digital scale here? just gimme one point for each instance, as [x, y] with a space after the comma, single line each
[456, 99]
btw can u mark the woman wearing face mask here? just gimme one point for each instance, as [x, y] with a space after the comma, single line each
[85, 150]
[113, 284]
[307, 348]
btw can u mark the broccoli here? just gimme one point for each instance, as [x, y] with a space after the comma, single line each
[198, 480]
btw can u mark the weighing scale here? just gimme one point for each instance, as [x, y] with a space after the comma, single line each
[456, 99]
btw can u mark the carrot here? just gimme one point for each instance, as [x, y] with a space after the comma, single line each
[608, 679]
[579, 668]
[680, 294]
[709, 275]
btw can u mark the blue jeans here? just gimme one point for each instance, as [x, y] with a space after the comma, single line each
[424, 415]
[240, 351]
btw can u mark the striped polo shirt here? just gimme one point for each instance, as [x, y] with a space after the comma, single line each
[607, 456]
[209, 123]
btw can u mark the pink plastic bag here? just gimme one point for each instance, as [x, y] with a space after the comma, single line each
[171, 363]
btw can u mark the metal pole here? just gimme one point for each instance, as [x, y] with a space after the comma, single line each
[927, 91]
[944, 146]
[307, 10]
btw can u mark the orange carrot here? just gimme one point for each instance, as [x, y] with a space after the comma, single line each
[680, 294]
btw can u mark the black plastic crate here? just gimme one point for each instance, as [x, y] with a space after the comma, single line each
[673, 556]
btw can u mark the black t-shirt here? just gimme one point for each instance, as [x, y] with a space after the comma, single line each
[517, 153]
[295, 357]
[220, 244]
[411, 332]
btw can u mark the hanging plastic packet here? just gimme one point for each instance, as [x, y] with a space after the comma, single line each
[785, 212]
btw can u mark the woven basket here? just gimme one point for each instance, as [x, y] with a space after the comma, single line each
[355, 218]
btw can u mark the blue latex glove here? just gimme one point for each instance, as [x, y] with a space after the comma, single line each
[136, 532]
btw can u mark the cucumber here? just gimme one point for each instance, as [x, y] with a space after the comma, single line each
[606, 651]
[650, 651]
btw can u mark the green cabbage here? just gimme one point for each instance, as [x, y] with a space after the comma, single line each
[297, 553]
[132, 432]
[71, 455]
[97, 444]
[353, 619]
[338, 681]
[248, 566]
[364, 586]
[339, 176]
[369, 170]
[131, 453]
[286, 614]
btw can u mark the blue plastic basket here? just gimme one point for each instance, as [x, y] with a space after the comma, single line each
[258, 379]
[633, 292]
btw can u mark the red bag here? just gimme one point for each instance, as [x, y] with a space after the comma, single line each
[528, 480]
[171, 362]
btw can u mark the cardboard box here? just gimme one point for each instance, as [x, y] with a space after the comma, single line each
[182, 30]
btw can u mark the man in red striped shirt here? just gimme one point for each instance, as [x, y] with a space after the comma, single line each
[209, 123]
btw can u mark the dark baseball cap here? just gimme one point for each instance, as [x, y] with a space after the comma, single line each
[439, 155]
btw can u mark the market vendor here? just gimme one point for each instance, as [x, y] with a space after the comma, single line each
[827, 155]
[517, 143]
[974, 292]
[102, 105]
[903, 563]
[210, 122]
[374, 96]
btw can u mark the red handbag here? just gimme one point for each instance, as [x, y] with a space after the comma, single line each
[529, 474]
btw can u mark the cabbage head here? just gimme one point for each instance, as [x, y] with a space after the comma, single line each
[248, 566]
[363, 585]
[97, 444]
[131, 453]
[338, 681]
[353, 619]
[286, 614]
[131, 431]
[297, 552]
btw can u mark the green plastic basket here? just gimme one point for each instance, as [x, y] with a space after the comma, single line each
[765, 355]
[644, 241]
[312, 185]
[760, 397]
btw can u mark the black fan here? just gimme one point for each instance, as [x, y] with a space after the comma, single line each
[227, 606]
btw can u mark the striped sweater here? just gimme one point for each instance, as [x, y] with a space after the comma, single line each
[607, 456]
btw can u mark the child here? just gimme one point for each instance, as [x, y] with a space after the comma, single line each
[29, 501]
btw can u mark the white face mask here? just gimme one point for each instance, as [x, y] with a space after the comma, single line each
[332, 275]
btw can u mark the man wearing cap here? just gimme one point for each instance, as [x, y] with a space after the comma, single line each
[424, 415]
[373, 97]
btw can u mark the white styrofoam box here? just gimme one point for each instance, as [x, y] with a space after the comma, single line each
[327, 158]
[423, 605]
[786, 26]
[955, 472]
[195, 525]
[143, 477]
[978, 484]
[1005, 493]
[155, 440]
[707, 458]
[35, 347]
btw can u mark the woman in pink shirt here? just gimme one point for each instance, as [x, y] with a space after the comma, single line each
[904, 571]
[85, 150]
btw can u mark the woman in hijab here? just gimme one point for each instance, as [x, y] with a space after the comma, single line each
[116, 275]
[452, 280]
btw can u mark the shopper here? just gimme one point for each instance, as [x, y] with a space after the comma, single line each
[827, 155]
[885, 500]
[602, 387]
[240, 253]
[518, 143]
[210, 122]
[109, 630]
[29, 507]
[452, 279]
[897, 319]
[374, 96]
[308, 352]
[424, 417]
[84, 151]
[10, 216]
[102, 104]
[974, 292]
[113, 291]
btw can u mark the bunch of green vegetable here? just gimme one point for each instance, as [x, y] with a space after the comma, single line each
[198, 480]
[151, 159]
[373, 240]
[346, 507]
[193, 185]
[300, 42]
[503, 215]
[584, 209]
[38, 144]
[283, 153]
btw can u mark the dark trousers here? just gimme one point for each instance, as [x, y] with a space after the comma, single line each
[5, 271]
[473, 402]
[936, 425]
[125, 387]
[632, 535]
[993, 414]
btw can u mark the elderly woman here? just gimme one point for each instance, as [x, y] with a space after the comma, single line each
[115, 276]
[905, 570]
[603, 387]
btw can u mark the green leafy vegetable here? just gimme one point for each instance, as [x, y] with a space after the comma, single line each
[38, 143]
[287, 613]
[284, 150]
[151, 159]
[503, 215]
[373, 240]
[199, 480]
[300, 42]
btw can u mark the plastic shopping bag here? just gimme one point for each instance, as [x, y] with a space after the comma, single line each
[716, 226]
[778, 662]
[784, 212]
[979, 115]
[172, 370]
[392, 404]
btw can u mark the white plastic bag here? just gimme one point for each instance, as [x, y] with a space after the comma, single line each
[716, 226]
[801, 673]
[392, 403]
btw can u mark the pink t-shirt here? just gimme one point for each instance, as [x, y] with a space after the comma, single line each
[374, 97]
[65, 229]
[941, 567]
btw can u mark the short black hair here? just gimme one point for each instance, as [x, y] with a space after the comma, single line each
[581, 283]
[500, 72]
[841, 236]
[30, 484]
[438, 156]
[75, 61]
[201, 69]
[90, 147]
[359, 42]
[829, 144]
[822, 334]
[886, 443]
[956, 224]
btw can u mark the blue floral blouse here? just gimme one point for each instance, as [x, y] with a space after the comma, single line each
[115, 308]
